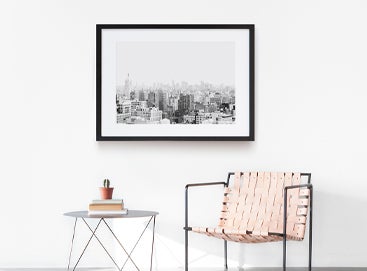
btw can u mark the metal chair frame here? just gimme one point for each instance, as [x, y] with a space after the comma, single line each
[308, 185]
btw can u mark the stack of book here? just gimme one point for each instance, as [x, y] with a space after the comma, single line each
[107, 207]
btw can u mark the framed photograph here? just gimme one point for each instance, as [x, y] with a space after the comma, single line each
[175, 82]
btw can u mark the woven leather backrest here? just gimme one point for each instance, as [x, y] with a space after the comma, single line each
[254, 203]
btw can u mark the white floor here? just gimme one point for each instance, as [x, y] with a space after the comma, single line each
[196, 269]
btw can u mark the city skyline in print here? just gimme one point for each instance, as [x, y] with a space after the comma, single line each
[175, 83]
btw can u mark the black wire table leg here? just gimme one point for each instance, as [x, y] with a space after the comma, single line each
[72, 243]
[119, 242]
[85, 215]
[93, 232]
[99, 241]
[151, 255]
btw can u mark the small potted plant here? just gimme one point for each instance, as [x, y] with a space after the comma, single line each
[106, 191]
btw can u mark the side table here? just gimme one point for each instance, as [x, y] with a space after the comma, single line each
[83, 215]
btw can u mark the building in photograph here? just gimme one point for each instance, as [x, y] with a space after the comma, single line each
[185, 104]
[127, 86]
[216, 98]
[152, 99]
[155, 115]
[175, 103]
[123, 111]
[142, 95]
[162, 100]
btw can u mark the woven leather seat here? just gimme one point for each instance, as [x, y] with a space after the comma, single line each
[253, 208]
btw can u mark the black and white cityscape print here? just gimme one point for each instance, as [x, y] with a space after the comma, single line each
[175, 83]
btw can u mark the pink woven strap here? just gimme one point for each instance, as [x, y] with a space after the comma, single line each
[254, 203]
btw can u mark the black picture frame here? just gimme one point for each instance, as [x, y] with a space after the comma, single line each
[249, 29]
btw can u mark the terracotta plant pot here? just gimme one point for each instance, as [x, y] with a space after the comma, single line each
[106, 193]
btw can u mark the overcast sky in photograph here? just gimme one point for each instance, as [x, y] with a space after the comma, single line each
[162, 62]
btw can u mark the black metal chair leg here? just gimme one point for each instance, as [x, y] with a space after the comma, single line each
[284, 254]
[310, 232]
[186, 250]
[225, 255]
[310, 187]
[285, 230]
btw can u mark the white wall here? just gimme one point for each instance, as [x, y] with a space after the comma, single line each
[310, 116]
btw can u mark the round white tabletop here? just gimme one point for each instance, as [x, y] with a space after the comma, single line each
[130, 214]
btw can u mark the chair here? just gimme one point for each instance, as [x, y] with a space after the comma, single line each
[254, 209]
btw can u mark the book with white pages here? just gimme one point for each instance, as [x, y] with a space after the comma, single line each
[108, 212]
[107, 201]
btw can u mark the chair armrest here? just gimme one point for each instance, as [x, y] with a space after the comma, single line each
[204, 184]
[308, 185]
[187, 228]
[286, 188]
